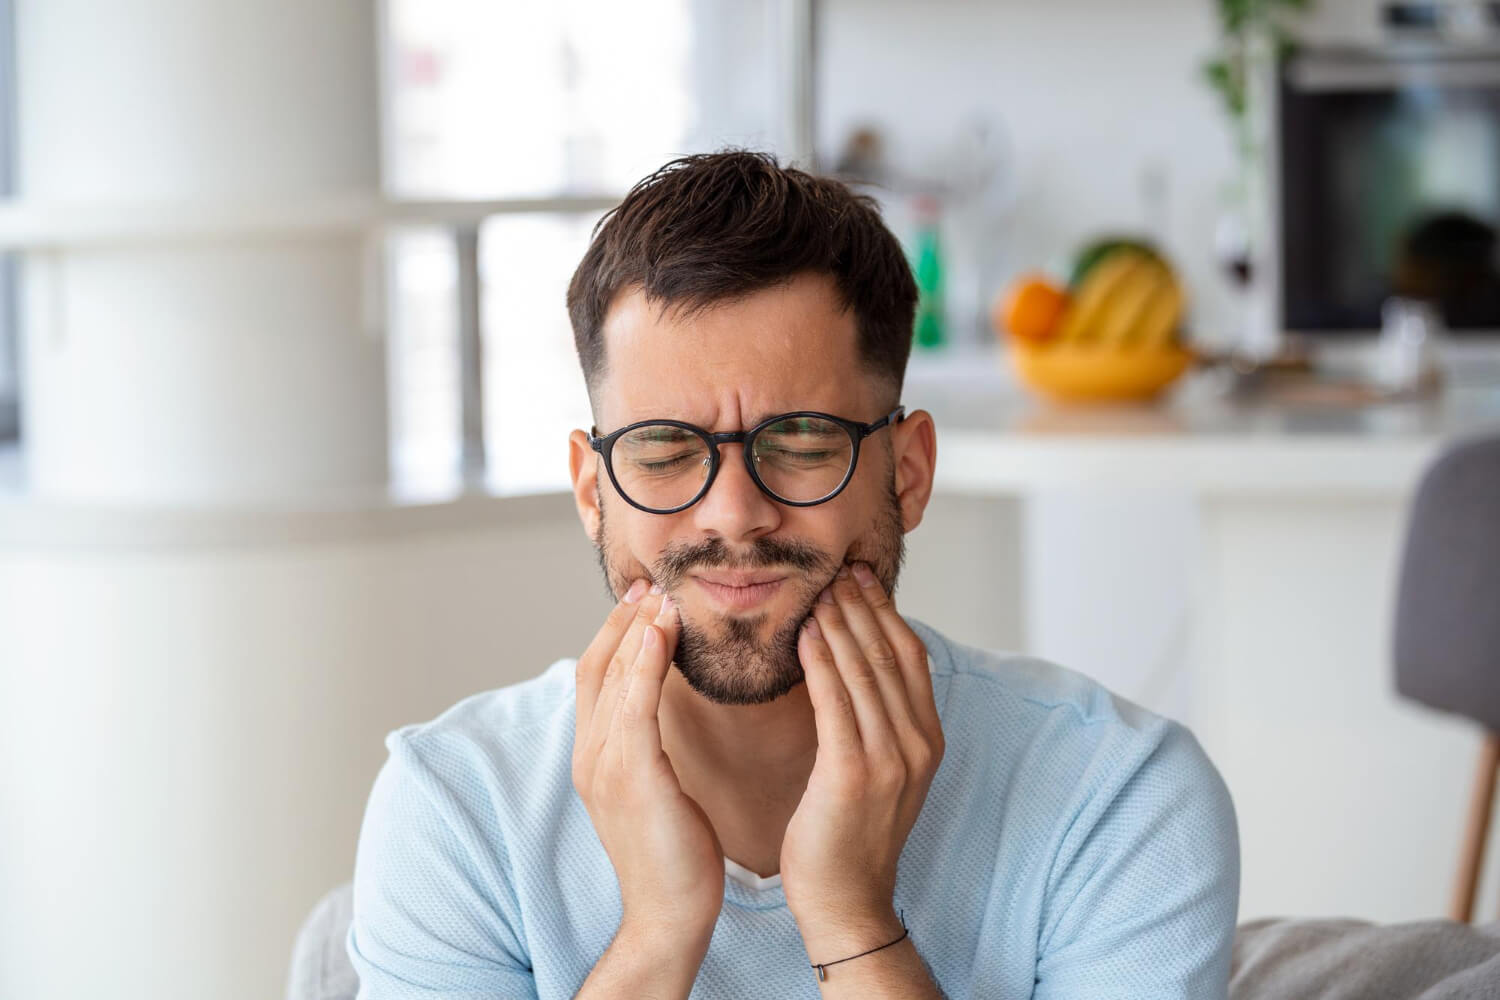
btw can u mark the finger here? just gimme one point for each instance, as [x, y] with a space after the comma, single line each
[618, 669]
[911, 652]
[651, 631]
[833, 709]
[639, 727]
[879, 652]
[591, 665]
[875, 729]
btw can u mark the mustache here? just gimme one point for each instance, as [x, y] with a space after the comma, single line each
[764, 552]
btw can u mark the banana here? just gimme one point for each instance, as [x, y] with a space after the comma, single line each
[1157, 327]
[1080, 322]
[1126, 307]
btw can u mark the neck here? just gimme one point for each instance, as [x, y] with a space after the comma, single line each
[766, 750]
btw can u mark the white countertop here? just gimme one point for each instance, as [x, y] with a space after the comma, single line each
[1199, 438]
[993, 439]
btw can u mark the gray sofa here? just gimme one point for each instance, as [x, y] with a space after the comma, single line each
[1274, 959]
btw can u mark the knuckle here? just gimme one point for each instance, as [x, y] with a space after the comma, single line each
[850, 781]
[888, 778]
[631, 714]
[615, 667]
[590, 662]
[647, 608]
[880, 653]
[622, 613]
[838, 702]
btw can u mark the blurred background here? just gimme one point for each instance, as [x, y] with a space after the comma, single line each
[286, 378]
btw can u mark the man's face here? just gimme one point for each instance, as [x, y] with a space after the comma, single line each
[743, 569]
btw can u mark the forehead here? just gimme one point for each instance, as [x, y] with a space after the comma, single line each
[735, 362]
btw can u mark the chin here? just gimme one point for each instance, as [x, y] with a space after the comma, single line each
[742, 658]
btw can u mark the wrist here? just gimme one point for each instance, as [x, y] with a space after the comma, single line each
[663, 942]
[666, 959]
[830, 936]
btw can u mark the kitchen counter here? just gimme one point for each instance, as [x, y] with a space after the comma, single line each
[995, 437]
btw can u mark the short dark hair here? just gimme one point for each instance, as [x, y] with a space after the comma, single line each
[713, 227]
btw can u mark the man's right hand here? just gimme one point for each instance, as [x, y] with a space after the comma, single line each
[668, 860]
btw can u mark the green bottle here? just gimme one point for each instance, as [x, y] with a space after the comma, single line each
[930, 328]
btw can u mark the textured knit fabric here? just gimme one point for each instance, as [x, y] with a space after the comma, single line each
[1072, 845]
[1347, 959]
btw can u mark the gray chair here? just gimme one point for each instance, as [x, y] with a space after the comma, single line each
[1447, 637]
[320, 964]
[1274, 959]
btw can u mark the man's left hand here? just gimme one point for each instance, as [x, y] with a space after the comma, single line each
[879, 744]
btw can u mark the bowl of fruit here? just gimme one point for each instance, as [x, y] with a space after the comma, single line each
[1110, 333]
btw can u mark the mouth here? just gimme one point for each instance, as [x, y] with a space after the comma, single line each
[739, 590]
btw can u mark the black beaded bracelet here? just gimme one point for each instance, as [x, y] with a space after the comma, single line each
[823, 966]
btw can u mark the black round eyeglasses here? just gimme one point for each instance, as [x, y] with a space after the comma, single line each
[800, 459]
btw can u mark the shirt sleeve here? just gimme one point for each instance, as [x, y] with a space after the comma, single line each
[435, 914]
[1145, 905]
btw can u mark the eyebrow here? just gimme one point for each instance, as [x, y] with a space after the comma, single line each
[758, 418]
[765, 415]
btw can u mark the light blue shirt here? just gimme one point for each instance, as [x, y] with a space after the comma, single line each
[1072, 845]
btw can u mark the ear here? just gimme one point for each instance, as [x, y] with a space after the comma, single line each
[583, 468]
[914, 450]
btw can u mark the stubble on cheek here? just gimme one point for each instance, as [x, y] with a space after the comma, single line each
[617, 580]
[883, 548]
[731, 659]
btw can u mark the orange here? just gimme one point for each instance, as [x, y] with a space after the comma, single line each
[1030, 309]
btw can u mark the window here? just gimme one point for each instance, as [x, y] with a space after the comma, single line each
[10, 374]
[571, 100]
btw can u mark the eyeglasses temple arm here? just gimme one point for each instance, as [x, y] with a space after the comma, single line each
[894, 417]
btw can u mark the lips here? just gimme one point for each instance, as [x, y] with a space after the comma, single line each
[739, 579]
[739, 590]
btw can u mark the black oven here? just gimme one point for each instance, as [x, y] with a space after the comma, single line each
[1389, 177]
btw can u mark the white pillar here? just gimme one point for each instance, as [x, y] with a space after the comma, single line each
[158, 787]
[221, 370]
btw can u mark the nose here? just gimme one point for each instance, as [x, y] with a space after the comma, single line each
[734, 507]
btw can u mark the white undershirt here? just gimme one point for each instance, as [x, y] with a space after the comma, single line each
[745, 876]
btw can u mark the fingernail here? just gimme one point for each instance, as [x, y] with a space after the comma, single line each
[863, 575]
[843, 573]
[656, 588]
[635, 592]
[811, 626]
[668, 609]
[826, 596]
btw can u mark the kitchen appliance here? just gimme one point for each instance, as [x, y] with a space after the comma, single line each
[1387, 172]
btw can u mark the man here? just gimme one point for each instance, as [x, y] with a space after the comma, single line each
[760, 780]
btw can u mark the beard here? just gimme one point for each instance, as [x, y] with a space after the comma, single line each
[727, 661]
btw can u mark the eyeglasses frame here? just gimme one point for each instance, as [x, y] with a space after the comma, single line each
[605, 444]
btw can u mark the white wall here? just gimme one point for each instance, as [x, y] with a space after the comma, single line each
[1093, 94]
